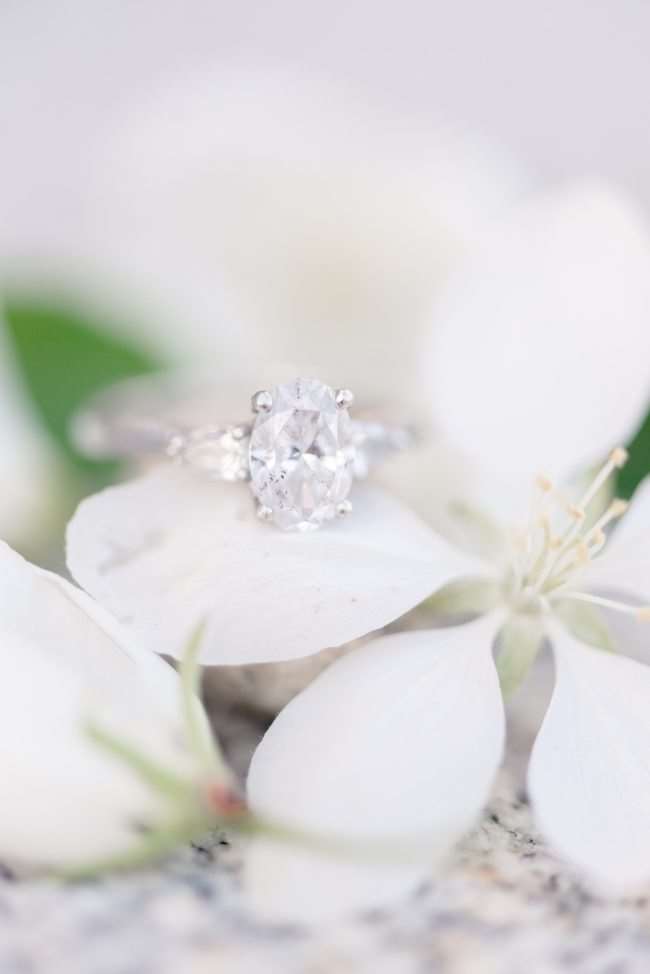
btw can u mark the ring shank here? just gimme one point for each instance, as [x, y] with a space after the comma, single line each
[119, 426]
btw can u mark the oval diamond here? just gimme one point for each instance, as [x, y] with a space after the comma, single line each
[301, 455]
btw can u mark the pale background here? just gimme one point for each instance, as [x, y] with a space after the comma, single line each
[563, 83]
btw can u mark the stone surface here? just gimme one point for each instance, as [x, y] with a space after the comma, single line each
[505, 906]
[301, 455]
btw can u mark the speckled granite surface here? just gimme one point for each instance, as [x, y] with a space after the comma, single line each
[505, 906]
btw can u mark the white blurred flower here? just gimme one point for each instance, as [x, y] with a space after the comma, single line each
[540, 349]
[265, 210]
[97, 763]
[538, 354]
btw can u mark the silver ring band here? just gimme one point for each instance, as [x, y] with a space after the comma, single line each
[119, 425]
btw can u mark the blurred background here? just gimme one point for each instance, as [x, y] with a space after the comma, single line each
[204, 183]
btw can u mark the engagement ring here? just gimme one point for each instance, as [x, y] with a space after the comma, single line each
[300, 452]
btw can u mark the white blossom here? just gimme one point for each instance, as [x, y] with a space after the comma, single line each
[266, 210]
[166, 550]
[103, 759]
[539, 350]
[343, 744]
[408, 730]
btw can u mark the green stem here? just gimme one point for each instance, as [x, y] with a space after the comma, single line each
[191, 812]
[377, 850]
[150, 848]
[153, 774]
[201, 739]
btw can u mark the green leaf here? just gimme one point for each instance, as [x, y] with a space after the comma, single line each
[65, 358]
[464, 597]
[585, 622]
[518, 643]
[638, 465]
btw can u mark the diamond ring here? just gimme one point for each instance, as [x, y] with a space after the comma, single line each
[300, 452]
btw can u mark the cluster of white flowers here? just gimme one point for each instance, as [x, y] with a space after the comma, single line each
[538, 354]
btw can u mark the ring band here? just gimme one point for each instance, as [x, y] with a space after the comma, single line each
[300, 451]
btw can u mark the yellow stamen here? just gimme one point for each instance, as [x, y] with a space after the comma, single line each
[548, 562]
[615, 510]
[617, 459]
[577, 513]
[596, 537]
[596, 543]
[544, 484]
[576, 556]
[619, 506]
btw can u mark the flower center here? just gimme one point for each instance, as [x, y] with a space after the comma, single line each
[561, 538]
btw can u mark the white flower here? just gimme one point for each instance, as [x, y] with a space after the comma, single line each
[539, 351]
[103, 760]
[170, 549]
[407, 732]
[268, 209]
[420, 714]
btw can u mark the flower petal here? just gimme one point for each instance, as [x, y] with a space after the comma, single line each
[439, 484]
[624, 565]
[589, 775]
[540, 353]
[170, 549]
[67, 663]
[397, 742]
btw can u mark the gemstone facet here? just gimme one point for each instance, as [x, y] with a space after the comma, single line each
[301, 455]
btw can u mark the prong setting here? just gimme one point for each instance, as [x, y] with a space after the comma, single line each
[344, 508]
[262, 401]
[344, 398]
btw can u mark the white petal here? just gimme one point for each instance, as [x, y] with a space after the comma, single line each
[397, 741]
[624, 565]
[589, 775]
[329, 226]
[66, 662]
[169, 550]
[540, 352]
[468, 505]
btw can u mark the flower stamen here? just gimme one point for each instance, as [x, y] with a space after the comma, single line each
[616, 509]
[640, 612]
[546, 561]
[617, 459]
